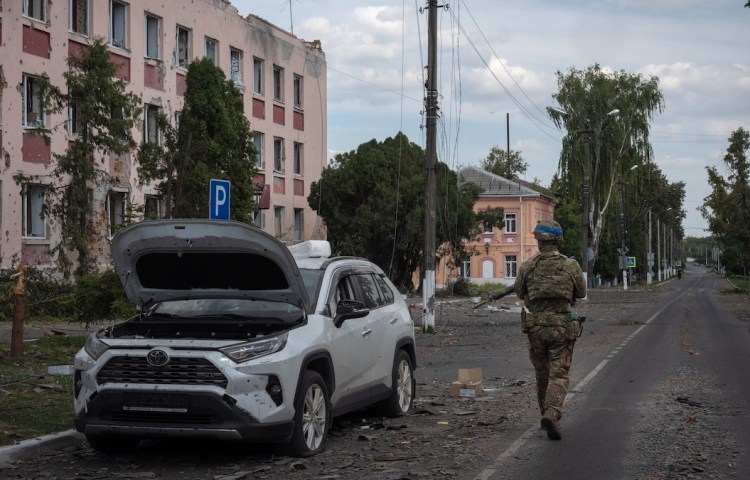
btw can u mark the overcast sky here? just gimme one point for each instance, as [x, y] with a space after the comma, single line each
[499, 57]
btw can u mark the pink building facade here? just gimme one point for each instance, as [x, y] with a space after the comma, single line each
[497, 254]
[282, 79]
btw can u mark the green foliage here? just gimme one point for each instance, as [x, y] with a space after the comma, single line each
[727, 207]
[372, 200]
[610, 144]
[461, 287]
[99, 296]
[499, 162]
[106, 113]
[94, 297]
[213, 140]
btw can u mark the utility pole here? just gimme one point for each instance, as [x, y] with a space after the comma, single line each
[428, 283]
[585, 264]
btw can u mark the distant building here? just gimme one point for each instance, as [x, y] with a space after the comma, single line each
[282, 78]
[496, 255]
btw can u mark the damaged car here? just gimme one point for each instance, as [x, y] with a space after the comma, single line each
[240, 337]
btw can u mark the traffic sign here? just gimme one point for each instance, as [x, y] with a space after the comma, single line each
[631, 262]
[219, 199]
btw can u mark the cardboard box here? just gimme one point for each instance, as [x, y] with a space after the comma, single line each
[469, 383]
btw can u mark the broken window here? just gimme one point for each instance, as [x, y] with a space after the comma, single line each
[151, 131]
[212, 50]
[298, 158]
[278, 221]
[235, 66]
[33, 211]
[259, 140]
[182, 48]
[278, 154]
[299, 224]
[152, 208]
[75, 124]
[78, 16]
[118, 24]
[278, 83]
[116, 207]
[33, 101]
[297, 91]
[257, 76]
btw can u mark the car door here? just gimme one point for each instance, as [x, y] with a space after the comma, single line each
[350, 344]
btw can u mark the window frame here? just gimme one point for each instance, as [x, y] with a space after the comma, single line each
[34, 4]
[298, 91]
[215, 42]
[124, 10]
[147, 34]
[259, 140]
[511, 266]
[236, 75]
[188, 46]
[150, 122]
[511, 223]
[279, 155]
[299, 158]
[258, 69]
[156, 201]
[299, 224]
[30, 89]
[278, 221]
[72, 17]
[28, 213]
[278, 84]
[116, 219]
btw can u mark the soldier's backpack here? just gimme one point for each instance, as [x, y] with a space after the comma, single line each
[549, 279]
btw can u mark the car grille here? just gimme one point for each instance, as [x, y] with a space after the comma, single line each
[161, 418]
[179, 371]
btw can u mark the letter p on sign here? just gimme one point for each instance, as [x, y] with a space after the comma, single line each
[219, 199]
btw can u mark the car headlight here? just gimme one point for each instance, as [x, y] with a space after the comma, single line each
[95, 347]
[257, 348]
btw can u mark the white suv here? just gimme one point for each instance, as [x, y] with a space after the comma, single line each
[240, 337]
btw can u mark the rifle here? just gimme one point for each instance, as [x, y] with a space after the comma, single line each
[503, 293]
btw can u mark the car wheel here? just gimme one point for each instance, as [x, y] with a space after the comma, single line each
[403, 387]
[312, 416]
[105, 444]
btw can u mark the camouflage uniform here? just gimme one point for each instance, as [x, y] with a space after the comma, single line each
[549, 283]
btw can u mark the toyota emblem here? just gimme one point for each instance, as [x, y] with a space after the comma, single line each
[157, 358]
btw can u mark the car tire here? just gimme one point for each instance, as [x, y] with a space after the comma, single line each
[403, 387]
[105, 444]
[312, 417]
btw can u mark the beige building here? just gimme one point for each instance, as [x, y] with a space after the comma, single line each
[496, 255]
[282, 78]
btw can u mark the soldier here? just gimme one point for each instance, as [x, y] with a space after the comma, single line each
[549, 284]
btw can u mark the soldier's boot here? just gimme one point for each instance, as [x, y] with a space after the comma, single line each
[551, 424]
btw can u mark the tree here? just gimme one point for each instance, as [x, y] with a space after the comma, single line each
[213, 140]
[104, 115]
[372, 200]
[727, 208]
[504, 164]
[609, 145]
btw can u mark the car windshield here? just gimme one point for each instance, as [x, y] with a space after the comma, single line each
[228, 308]
[311, 278]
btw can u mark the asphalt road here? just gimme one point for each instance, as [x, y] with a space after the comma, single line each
[669, 401]
[658, 391]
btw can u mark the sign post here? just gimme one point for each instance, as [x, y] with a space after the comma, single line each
[219, 199]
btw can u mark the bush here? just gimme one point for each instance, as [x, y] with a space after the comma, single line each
[92, 297]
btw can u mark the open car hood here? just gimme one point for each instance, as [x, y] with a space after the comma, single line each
[195, 258]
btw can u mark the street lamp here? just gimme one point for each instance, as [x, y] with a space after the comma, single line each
[586, 256]
[623, 250]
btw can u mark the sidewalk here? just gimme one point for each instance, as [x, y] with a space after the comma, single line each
[40, 446]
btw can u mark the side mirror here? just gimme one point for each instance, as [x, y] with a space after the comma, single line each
[348, 309]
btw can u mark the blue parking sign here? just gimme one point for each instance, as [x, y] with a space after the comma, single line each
[218, 204]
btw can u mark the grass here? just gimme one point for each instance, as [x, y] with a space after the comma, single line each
[32, 402]
[740, 283]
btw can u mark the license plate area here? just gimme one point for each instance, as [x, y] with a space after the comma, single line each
[156, 402]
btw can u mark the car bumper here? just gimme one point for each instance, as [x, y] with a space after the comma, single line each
[162, 414]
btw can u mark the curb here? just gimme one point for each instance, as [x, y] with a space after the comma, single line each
[40, 445]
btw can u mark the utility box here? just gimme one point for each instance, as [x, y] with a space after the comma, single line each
[469, 383]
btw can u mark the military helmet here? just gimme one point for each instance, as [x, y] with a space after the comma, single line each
[548, 230]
